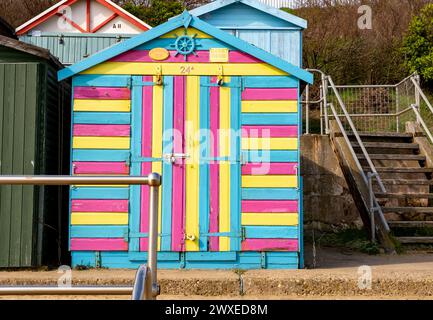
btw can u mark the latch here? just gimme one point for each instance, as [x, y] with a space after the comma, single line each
[190, 237]
[173, 157]
[220, 78]
[158, 81]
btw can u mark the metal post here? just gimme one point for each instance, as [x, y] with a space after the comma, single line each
[417, 96]
[307, 109]
[152, 288]
[325, 101]
[321, 110]
[397, 93]
[372, 207]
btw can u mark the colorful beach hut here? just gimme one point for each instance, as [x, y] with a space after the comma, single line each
[220, 119]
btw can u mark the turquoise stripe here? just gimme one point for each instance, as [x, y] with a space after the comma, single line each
[135, 191]
[271, 156]
[100, 155]
[89, 80]
[277, 232]
[269, 119]
[269, 194]
[100, 193]
[235, 167]
[167, 168]
[270, 82]
[204, 184]
[102, 118]
[202, 44]
[98, 231]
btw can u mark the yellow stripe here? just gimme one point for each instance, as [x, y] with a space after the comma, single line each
[158, 96]
[224, 188]
[270, 219]
[116, 143]
[269, 106]
[190, 31]
[192, 165]
[269, 181]
[269, 143]
[102, 105]
[185, 69]
[99, 218]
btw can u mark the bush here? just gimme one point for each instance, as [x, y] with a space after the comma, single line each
[158, 12]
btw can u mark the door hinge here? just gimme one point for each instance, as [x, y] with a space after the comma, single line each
[263, 260]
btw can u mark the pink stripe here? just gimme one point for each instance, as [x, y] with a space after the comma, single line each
[102, 93]
[270, 245]
[275, 168]
[94, 130]
[99, 244]
[270, 131]
[270, 94]
[270, 206]
[100, 206]
[202, 57]
[214, 167]
[178, 224]
[101, 168]
[146, 152]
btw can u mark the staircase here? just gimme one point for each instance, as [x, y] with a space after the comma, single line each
[408, 202]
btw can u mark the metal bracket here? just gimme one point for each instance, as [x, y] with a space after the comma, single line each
[263, 260]
[97, 259]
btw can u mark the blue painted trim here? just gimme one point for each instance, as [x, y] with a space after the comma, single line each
[100, 193]
[202, 44]
[235, 166]
[270, 119]
[174, 24]
[90, 80]
[167, 168]
[204, 184]
[100, 155]
[269, 194]
[216, 5]
[172, 260]
[71, 169]
[102, 118]
[98, 231]
[301, 187]
[270, 82]
[274, 232]
[271, 156]
[135, 191]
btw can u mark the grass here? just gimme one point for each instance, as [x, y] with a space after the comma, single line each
[353, 239]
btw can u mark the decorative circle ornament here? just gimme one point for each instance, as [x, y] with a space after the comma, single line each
[159, 54]
[185, 45]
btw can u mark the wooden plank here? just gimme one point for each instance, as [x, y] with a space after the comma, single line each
[269, 181]
[98, 231]
[288, 206]
[100, 193]
[84, 130]
[100, 206]
[100, 155]
[410, 224]
[408, 209]
[276, 168]
[404, 195]
[270, 244]
[410, 157]
[280, 119]
[270, 232]
[387, 145]
[184, 69]
[269, 219]
[192, 32]
[270, 82]
[99, 218]
[415, 240]
[266, 156]
[275, 106]
[270, 131]
[99, 245]
[270, 194]
[407, 182]
[108, 143]
[269, 143]
[192, 167]
[101, 168]
[102, 118]
[102, 105]
[270, 94]
[102, 93]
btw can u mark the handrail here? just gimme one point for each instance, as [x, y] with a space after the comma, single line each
[422, 122]
[355, 132]
[150, 282]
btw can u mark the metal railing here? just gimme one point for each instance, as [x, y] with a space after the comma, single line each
[146, 284]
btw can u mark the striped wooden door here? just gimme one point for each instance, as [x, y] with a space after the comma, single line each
[181, 129]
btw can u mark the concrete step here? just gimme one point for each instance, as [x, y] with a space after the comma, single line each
[404, 195]
[387, 145]
[407, 157]
[408, 182]
[400, 170]
[410, 224]
[415, 240]
[407, 209]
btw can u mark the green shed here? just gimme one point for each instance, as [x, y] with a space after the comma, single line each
[34, 140]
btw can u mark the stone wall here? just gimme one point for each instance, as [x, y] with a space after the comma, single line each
[328, 204]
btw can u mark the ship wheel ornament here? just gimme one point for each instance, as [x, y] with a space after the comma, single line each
[185, 45]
